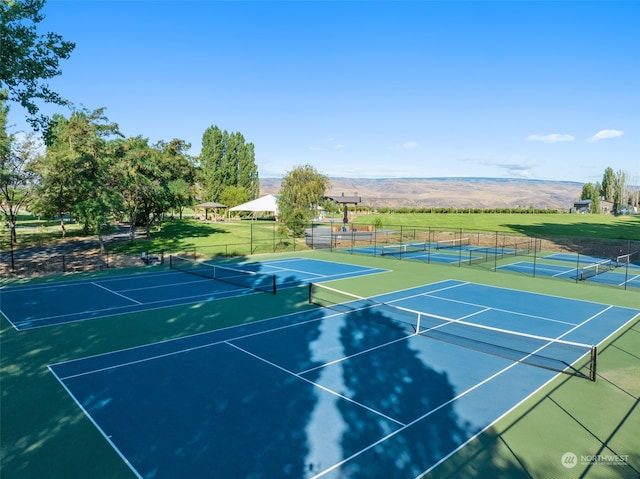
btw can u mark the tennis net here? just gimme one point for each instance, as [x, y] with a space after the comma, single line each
[401, 248]
[237, 277]
[625, 259]
[452, 243]
[548, 353]
[595, 269]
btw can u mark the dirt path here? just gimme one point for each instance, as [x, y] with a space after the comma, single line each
[65, 255]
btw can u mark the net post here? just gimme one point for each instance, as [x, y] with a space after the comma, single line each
[274, 284]
[593, 363]
[309, 294]
[418, 323]
[170, 261]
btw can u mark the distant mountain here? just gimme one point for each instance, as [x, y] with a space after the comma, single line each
[451, 192]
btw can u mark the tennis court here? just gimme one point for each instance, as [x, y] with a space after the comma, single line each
[446, 251]
[347, 394]
[63, 302]
[627, 276]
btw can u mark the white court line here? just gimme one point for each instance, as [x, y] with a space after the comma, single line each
[104, 434]
[491, 308]
[116, 310]
[213, 331]
[116, 293]
[378, 413]
[433, 466]
[455, 398]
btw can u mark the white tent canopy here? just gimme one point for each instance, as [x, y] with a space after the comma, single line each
[268, 204]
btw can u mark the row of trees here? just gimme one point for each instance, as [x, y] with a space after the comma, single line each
[614, 188]
[89, 170]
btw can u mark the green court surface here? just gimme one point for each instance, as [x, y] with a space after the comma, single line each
[570, 428]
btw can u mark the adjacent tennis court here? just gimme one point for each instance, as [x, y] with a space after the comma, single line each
[63, 302]
[619, 271]
[597, 272]
[362, 387]
[453, 251]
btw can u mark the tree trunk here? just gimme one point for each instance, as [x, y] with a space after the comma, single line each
[101, 242]
[62, 227]
[14, 236]
[132, 226]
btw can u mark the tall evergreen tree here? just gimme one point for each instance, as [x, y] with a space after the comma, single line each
[620, 196]
[595, 198]
[226, 160]
[608, 184]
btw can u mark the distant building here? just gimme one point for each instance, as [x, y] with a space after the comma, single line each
[584, 206]
[606, 207]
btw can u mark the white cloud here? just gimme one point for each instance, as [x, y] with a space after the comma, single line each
[407, 145]
[605, 135]
[552, 138]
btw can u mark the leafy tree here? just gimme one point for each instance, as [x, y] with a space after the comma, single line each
[592, 192]
[301, 192]
[54, 195]
[587, 191]
[78, 171]
[153, 180]
[136, 171]
[28, 58]
[180, 174]
[234, 196]
[17, 177]
[227, 160]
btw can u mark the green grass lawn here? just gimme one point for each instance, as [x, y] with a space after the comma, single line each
[539, 225]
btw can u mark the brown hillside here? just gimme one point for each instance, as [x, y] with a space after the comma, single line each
[451, 192]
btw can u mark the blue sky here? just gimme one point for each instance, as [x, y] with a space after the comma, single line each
[539, 90]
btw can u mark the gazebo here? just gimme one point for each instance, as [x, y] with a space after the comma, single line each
[345, 201]
[209, 206]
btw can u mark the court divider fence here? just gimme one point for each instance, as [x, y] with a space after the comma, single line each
[490, 250]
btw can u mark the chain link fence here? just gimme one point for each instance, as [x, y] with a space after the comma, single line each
[261, 238]
[573, 259]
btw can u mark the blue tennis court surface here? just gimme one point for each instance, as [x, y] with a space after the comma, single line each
[624, 276]
[45, 305]
[322, 393]
[433, 252]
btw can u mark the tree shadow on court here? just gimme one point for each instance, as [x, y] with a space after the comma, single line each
[44, 433]
[593, 422]
[396, 382]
